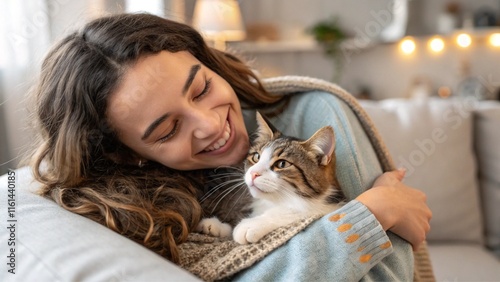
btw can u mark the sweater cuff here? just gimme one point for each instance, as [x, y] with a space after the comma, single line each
[359, 228]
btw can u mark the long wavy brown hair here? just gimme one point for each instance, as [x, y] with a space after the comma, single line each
[79, 159]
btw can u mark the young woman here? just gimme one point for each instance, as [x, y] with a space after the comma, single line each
[133, 109]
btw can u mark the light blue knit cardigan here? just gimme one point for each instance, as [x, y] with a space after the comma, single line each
[346, 245]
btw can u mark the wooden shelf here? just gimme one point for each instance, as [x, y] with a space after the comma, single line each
[294, 46]
[276, 46]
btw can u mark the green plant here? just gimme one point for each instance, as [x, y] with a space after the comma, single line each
[330, 35]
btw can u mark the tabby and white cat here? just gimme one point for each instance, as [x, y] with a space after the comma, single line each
[288, 178]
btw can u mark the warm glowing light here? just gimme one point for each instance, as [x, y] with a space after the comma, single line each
[444, 92]
[464, 40]
[436, 44]
[495, 39]
[408, 46]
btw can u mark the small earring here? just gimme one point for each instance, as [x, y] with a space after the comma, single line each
[141, 163]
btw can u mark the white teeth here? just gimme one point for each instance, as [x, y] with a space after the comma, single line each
[222, 141]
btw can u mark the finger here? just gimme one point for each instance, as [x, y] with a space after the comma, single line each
[415, 247]
[416, 243]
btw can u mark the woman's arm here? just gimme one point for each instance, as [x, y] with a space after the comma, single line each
[350, 244]
[342, 246]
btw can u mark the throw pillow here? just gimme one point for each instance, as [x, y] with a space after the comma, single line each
[433, 140]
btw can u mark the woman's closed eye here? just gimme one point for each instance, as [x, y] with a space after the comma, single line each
[206, 89]
[170, 134]
[175, 129]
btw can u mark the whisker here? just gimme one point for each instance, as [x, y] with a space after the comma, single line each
[222, 176]
[217, 187]
[227, 188]
[239, 186]
[283, 193]
[227, 192]
[230, 189]
[240, 169]
[242, 193]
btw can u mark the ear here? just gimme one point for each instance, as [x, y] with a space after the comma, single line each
[323, 144]
[264, 131]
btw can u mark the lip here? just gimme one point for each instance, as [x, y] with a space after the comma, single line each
[226, 146]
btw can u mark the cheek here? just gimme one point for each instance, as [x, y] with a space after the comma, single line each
[248, 174]
[225, 91]
[176, 157]
[248, 178]
[265, 174]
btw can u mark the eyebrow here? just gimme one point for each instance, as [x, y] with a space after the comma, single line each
[153, 126]
[192, 74]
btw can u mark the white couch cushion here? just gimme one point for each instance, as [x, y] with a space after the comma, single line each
[463, 262]
[487, 144]
[432, 139]
[53, 244]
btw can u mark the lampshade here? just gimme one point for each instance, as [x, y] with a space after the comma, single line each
[219, 20]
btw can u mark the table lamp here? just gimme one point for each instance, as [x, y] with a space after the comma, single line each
[219, 21]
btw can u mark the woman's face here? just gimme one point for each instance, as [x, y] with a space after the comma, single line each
[171, 109]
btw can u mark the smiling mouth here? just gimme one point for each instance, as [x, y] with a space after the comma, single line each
[222, 141]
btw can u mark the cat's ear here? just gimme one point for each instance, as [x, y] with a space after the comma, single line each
[265, 130]
[323, 144]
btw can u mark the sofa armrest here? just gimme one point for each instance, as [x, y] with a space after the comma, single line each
[52, 244]
[487, 147]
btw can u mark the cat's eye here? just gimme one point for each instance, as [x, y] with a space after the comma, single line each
[282, 164]
[255, 157]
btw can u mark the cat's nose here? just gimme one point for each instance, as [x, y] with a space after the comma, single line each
[255, 175]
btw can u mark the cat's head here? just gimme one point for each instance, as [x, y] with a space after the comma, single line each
[278, 165]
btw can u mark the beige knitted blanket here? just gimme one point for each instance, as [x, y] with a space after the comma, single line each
[215, 259]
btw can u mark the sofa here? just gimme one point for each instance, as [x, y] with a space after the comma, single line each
[447, 146]
[451, 150]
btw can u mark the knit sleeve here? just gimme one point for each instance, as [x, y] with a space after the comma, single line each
[342, 246]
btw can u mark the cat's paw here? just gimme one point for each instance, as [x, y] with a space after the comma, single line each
[214, 227]
[248, 231]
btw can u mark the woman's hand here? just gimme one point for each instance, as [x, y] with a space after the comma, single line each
[399, 208]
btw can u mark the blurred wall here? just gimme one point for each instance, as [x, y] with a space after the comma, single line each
[50, 20]
[381, 68]
[4, 152]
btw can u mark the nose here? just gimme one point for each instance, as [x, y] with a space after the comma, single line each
[207, 123]
[255, 175]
